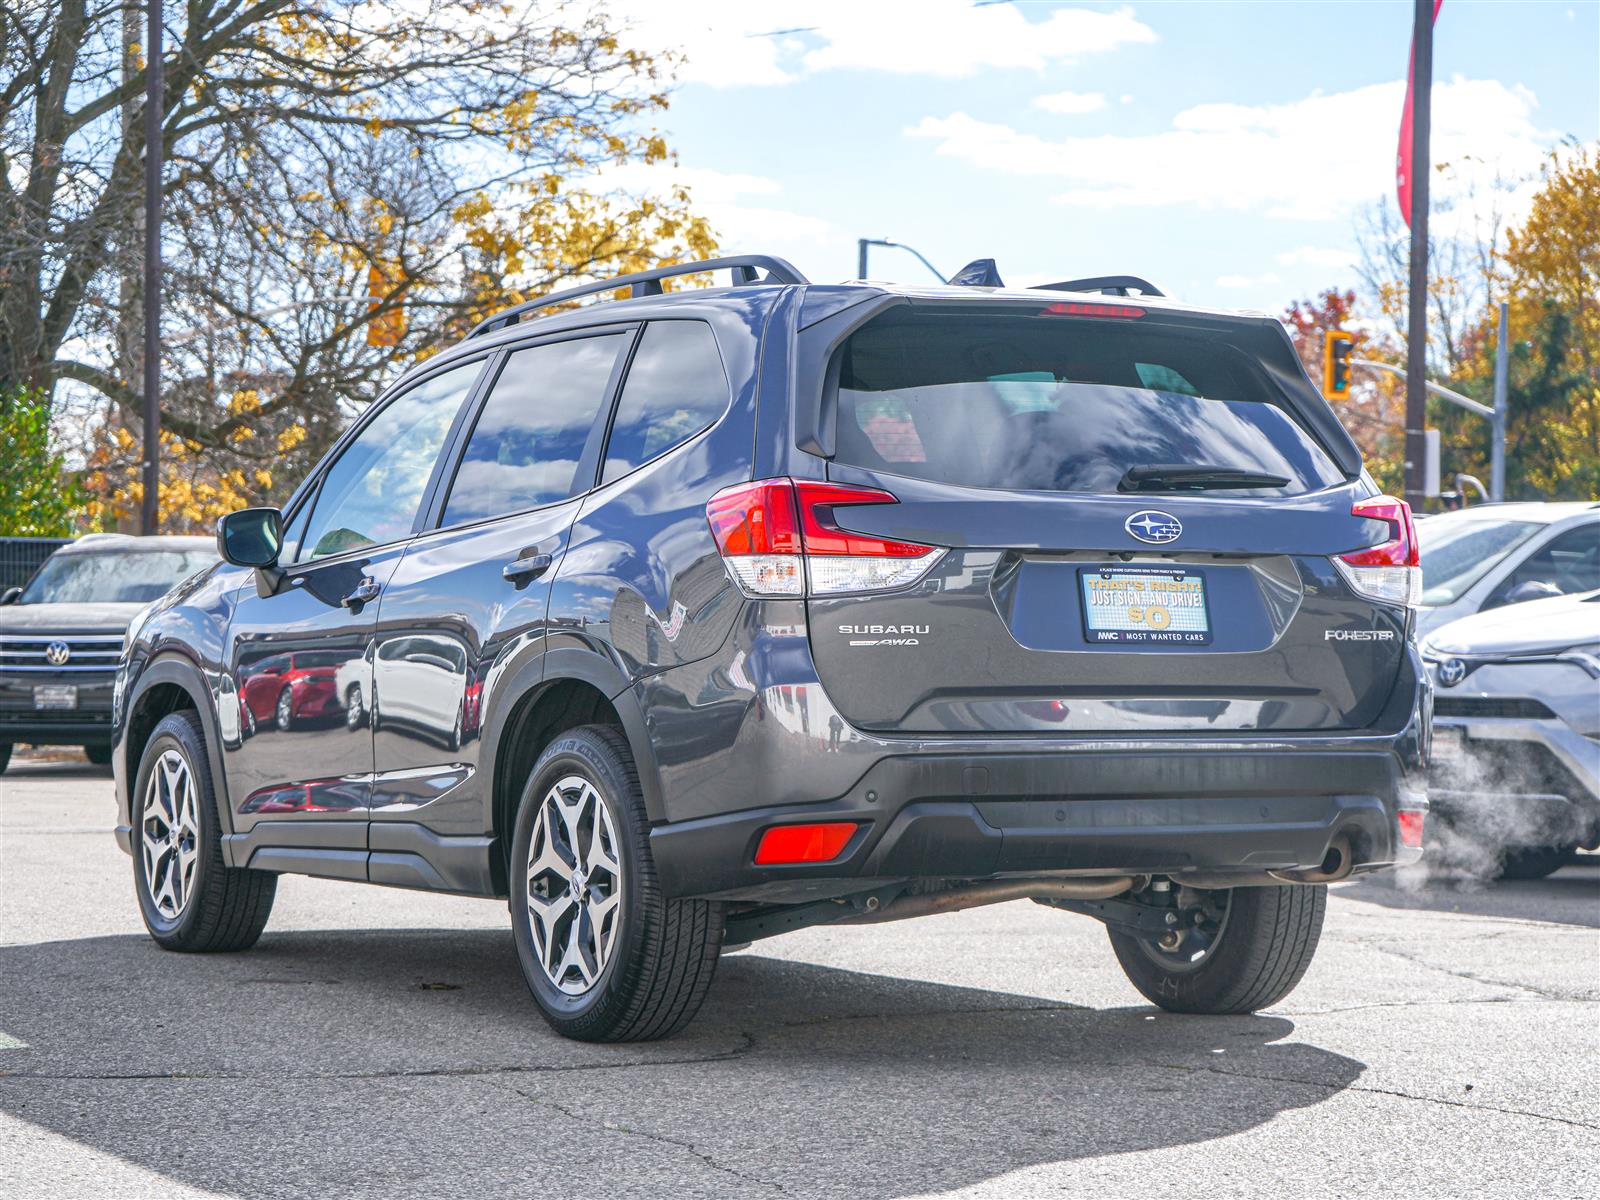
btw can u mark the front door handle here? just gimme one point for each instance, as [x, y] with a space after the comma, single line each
[366, 592]
[529, 566]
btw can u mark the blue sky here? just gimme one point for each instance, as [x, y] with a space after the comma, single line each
[1222, 150]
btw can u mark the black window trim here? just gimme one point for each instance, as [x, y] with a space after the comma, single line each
[456, 445]
[310, 491]
[616, 402]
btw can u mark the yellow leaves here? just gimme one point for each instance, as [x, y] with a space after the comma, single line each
[242, 402]
[291, 437]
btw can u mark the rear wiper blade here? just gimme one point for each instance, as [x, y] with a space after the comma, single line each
[1185, 477]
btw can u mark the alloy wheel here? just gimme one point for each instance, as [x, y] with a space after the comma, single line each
[285, 710]
[169, 834]
[573, 887]
[354, 710]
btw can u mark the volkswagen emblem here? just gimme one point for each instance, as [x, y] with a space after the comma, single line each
[1154, 527]
[1451, 672]
[58, 654]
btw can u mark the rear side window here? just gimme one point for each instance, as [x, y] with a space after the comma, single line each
[529, 440]
[1042, 403]
[675, 388]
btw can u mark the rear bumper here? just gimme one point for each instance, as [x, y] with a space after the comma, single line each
[1170, 812]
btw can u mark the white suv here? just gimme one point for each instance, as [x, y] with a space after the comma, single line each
[1497, 554]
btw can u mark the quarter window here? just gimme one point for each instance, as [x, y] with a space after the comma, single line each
[676, 387]
[528, 444]
[373, 491]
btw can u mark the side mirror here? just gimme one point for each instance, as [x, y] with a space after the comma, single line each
[1532, 589]
[9, 596]
[251, 537]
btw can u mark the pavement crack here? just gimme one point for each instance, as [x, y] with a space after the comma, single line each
[707, 1159]
[1378, 1091]
[1468, 976]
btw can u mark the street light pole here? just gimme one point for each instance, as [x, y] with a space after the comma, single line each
[1417, 324]
[150, 510]
[1497, 450]
[861, 256]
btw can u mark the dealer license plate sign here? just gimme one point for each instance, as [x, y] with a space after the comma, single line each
[1144, 606]
[55, 696]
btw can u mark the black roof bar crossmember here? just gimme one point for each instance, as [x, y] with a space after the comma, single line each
[648, 283]
[1110, 285]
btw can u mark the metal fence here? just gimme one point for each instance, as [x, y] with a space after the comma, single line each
[20, 557]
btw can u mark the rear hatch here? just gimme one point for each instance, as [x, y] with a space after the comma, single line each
[1140, 532]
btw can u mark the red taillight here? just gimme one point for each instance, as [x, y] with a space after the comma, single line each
[784, 844]
[775, 532]
[1401, 549]
[1082, 308]
[822, 535]
[755, 518]
[1390, 571]
[1411, 822]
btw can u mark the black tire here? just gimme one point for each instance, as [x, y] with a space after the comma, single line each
[1263, 950]
[100, 756]
[225, 909]
[283, 710]
[664, 952]
[1534, 862]
[5, 756]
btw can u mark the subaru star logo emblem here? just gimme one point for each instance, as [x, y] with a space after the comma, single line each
[57, 654]
[1154, 527]
[1452, 672]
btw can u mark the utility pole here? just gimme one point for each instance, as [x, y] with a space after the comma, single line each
[1417, 324]
[150, 510]
[1497, 449]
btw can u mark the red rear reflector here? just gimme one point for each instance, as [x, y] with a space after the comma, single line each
[1080, 308]
[803, 843]
[1401, 549]
[1411, 820]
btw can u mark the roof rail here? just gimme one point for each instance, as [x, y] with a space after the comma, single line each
[648, 283]
[1110, 285]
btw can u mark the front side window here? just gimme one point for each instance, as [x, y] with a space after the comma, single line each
[1035, 402]
[529, 441]
[676, 387]
[374, 490]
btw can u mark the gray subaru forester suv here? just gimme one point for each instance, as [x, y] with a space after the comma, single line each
[689, 619]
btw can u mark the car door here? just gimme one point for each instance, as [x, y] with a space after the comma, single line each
[469, 599]
[1567, 563]
[305, 766]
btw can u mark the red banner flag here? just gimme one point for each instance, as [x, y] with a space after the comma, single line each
[1402, 159]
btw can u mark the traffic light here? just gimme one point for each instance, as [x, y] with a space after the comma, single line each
[1337, 346]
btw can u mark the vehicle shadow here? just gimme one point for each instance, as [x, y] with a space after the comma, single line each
[337, 1058]
[25, 766]
[1569, 897]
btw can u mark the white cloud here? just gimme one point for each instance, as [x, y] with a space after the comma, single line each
[1246, 281]
[725, 199]
[1071, 103]
[1315, 256]
[728, 44]
[1314, 158]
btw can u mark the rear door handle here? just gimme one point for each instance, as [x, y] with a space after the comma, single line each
[366, 592]
[529, 566]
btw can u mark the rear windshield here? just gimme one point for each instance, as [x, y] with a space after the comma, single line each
[1044, 403]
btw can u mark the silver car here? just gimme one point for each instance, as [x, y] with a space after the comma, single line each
[1498, 554]
[1516, 741]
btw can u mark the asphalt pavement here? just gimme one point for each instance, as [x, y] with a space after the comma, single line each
[381, 1043]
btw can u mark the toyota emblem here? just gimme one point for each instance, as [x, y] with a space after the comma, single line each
[1451, 672]
[58, 654]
